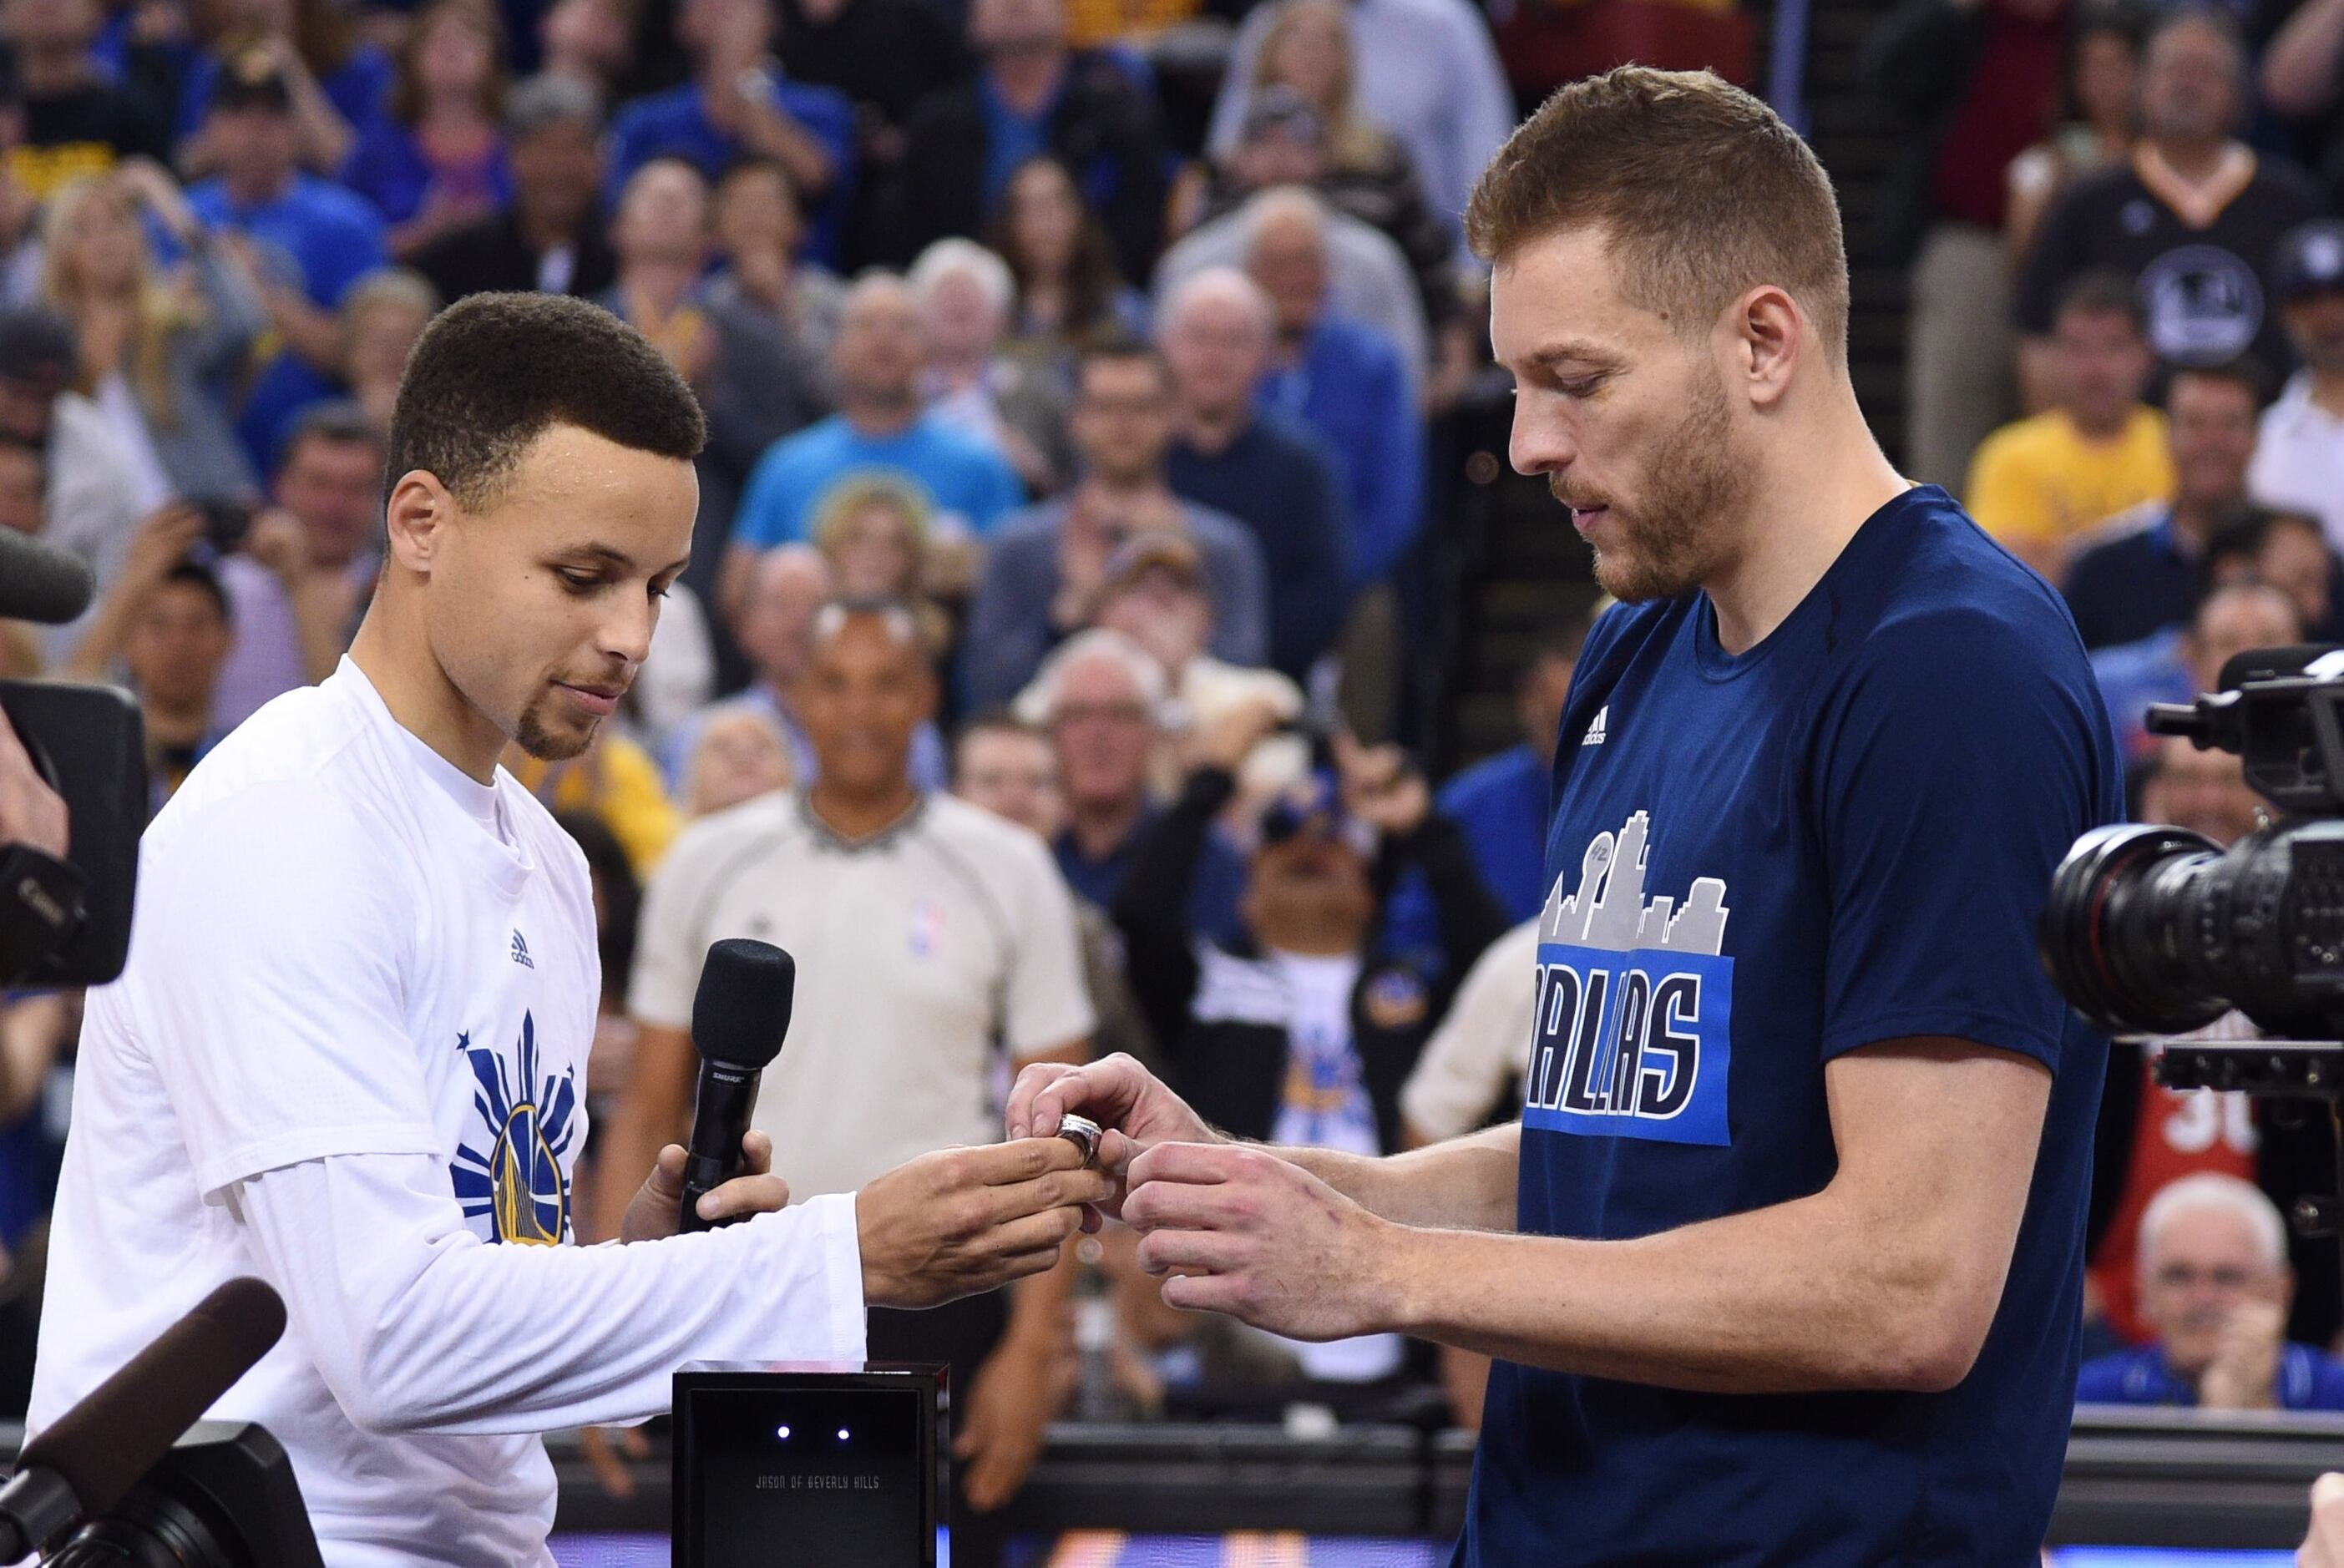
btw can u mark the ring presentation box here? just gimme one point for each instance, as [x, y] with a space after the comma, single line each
[790, 1463]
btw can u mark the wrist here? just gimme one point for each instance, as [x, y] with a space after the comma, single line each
[1400, 1268]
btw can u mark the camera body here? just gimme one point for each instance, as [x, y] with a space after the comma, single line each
[2160, 930]
[88, 743]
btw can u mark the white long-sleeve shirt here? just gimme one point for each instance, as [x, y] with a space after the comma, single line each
[347, 1055]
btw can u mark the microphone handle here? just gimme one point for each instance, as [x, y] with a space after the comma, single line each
[727, 1096]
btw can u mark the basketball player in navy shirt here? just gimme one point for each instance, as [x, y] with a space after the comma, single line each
[1783, 1261]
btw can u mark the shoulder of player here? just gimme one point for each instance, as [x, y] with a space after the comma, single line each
[1948, 603]
[296, 766]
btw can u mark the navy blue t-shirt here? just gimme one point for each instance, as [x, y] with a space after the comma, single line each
[1759, 863]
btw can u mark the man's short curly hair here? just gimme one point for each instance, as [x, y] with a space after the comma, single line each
[493, 372]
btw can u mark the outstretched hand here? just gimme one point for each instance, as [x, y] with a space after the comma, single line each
[1241, 1231]
[1130, 1103]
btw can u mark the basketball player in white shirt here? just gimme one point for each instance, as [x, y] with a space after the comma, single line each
[348, 1054]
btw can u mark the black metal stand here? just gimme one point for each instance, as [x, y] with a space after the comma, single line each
[2271, 1069]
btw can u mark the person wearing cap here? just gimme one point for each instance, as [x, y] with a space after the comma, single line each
[311, 239]
[1301, 1031]
[1156, 594]
[2299, 462]
[550, 236]
[1047, 568]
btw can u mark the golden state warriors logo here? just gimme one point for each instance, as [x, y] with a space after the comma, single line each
[517, 1183]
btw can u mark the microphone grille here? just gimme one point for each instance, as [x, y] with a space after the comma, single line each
[742, 1008]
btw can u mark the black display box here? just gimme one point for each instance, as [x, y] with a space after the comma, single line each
[793, 1464]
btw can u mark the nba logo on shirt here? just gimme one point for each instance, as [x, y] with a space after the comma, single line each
[1634, 999]
[927, 927]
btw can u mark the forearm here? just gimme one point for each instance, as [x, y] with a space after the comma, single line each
[2298, 69]
[777, 136]
[308, 331]
[1796, 1298]
[418, 1326]
[100, 645]
[1466, 1184]
[320, 611]
[326, 137]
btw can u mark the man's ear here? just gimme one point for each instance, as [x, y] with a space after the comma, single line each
[416, 519]
[1771, 336]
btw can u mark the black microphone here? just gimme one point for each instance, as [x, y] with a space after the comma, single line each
[95, 1453]
[737, 1018]
[38, 581]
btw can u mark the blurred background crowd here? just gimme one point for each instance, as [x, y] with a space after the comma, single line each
[1111, 624]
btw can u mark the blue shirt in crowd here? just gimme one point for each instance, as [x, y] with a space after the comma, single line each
[2132, 675]
[1350, 386]
[1010, 137]
[676, 124]
[314, 234]
[387, 166]
[961, 476]
[1499, 804]
[2309, 1379]
[1279, 479]
[1767, 860]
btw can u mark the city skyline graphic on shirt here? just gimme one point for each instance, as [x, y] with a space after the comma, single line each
[1609, 910]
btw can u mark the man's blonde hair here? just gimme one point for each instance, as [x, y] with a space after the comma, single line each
[1701, 190]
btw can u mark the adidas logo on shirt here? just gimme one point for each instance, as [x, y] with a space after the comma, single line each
[520, 953]
[1594, 736]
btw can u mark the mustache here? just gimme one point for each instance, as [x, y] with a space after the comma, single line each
[1578, 500]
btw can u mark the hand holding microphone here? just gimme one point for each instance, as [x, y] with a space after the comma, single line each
[739, 1016]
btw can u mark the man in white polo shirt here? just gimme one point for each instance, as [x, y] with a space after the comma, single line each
[932, 940]
[2299, 462]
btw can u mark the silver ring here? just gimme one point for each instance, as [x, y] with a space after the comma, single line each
[1085, 1134]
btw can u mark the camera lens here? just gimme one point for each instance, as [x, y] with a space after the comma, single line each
[2130, 934]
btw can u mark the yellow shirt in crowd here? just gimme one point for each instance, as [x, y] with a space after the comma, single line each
[2040, 481]
[617, 781]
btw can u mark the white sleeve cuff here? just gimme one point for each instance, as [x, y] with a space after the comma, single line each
[840, 1242]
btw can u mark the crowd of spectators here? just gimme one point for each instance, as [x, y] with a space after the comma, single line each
[1062, 482]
